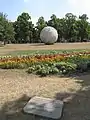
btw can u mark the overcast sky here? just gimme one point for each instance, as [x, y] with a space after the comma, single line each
[46, 8]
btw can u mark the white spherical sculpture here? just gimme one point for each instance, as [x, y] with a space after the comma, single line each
[49, 35]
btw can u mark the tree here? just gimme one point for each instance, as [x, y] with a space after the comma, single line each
[53, 21]
[83, 27]
[57, 24]
[39, 26]
[83, 17]
[35, 35]
[60, 26]
[41, 23]
[6, 29]
[23, 28]
[70, 27]
[88, 31]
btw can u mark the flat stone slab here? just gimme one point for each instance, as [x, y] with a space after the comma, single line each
[44, 107]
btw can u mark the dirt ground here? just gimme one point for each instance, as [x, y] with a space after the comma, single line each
[17, 87]
[63, 46]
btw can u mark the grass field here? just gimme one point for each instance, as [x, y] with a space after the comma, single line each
[17, 86]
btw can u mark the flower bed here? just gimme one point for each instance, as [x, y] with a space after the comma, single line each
[49, 64]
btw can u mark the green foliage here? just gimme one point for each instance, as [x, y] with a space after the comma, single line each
[43, 69]
[39, 26]
[70, 28]
[72, 65]
[66, 67]
[83, 65]
[83, 27]
[60, 68]
[6, 29]
[47, 69]
[23, 28]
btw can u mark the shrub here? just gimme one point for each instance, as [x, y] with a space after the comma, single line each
[53, 68]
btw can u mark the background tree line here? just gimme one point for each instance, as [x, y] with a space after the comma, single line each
[70, 28]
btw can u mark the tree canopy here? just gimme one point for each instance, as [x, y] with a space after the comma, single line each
[6, 29]
[70, 28]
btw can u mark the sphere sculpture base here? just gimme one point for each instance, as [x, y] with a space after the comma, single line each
[49, 43]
